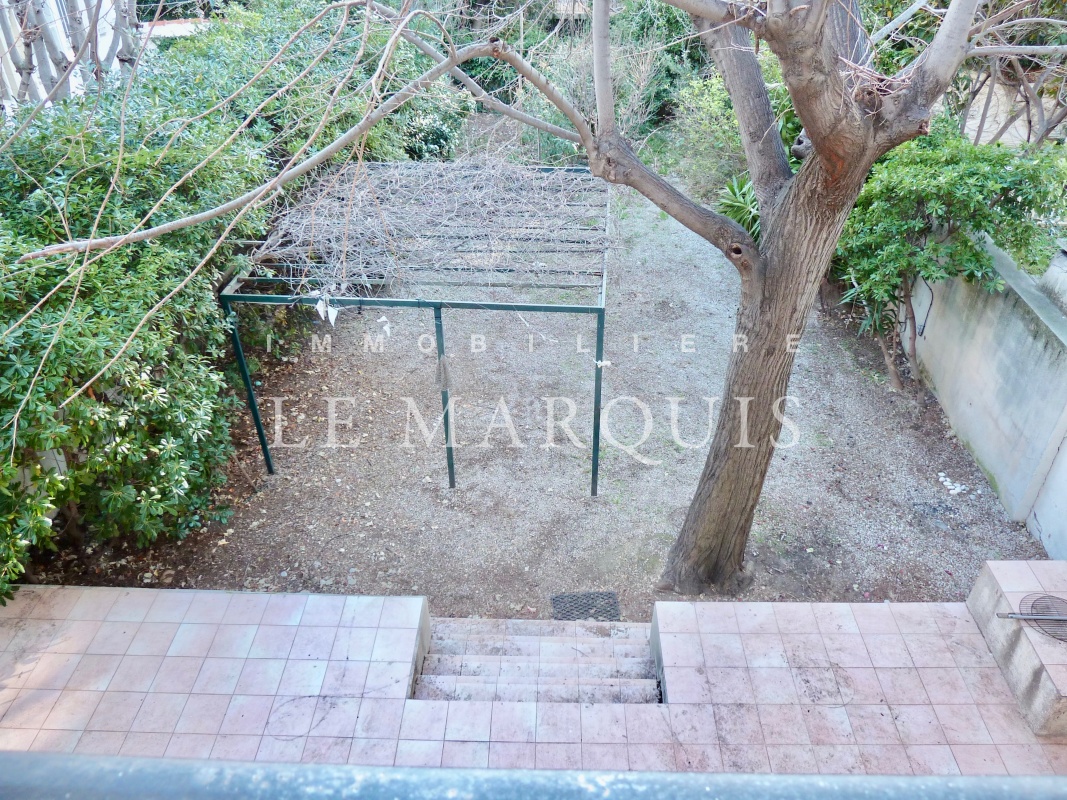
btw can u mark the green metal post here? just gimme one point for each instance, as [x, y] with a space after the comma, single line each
[597, 381]
[242, 365]
[439, 331]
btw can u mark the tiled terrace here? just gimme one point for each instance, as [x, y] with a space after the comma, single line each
[758, 687]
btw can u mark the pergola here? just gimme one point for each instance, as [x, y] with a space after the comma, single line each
[474, 235]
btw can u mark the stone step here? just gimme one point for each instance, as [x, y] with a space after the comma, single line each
[543, 690]
[448, 628]
[541, 647]
[507, 667]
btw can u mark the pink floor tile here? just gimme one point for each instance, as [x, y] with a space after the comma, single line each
[192, 639]
[716, 618]
[235, 747]
[52, 670]
[744, 758]
[730, 685]
[791, 759]
[153, 639]
[738, 724]
[218, 676]
[465, 755]
[379, 719]
[604, 756]
[885, 759]
[272, 641]
[681, 649]
[846, 650]
[558, 723]
[859, 686]
[558, 755]
[284, 609]
[902, 686]
[313, 643]
[828, 725]
[512, 755]
[932, 759]
[418, 753]
[145, 745]
[835, 618]
[335, 717]
[290, 716]
[838, 759]
[756, 618]
[302, 677]
[686, 685]
[245, 609]
[373, 752]
[100, 743]
[1006, 725]
[233, 641]
[1024, 759]
[887, 650]
[928, 650]
[962, 724]
[773, 686]
[603, 724]
[978, 759]
[874, 618]
[345, 678]
[918, 725]
[676, 618]
[692, 724]
[784, 724]
[816, 686]
[945, 685]
[424, 719]
[362, 612]
[176, 674]
[647, 724]
[203, 713]
[56, 741]
[159, 713]
[247, 715]
[281, 749]
[762, 651]
[652, 757]
[326, 750]
[873, 724]
[514, 722]
[698, 758]
[94, 673]
[261, 676]
[135, 673]
[116, 711]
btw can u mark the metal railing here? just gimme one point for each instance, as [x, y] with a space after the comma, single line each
[28, 776]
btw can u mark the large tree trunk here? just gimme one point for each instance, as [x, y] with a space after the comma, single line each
[798, 243]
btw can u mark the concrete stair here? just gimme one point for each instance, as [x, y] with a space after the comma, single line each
[538, 661]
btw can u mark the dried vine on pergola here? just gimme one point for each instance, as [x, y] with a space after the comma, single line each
[472, 223]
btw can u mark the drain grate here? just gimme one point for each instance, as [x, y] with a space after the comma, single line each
[602, 606]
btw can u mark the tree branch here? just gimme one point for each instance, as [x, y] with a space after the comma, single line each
[899, 21]
[938, 64]
[603, 89]
[338, 145]
[731, 48]
[1020, 50]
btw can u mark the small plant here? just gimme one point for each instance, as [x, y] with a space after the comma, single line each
[737, 200]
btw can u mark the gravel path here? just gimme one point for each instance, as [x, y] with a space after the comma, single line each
[854, 511]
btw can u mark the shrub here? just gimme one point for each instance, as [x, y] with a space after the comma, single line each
[927, 205]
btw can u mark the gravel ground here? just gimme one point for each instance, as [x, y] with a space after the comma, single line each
[855, 511]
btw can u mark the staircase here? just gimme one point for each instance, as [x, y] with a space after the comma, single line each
[538, 661]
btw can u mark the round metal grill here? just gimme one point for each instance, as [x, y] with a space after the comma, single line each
[1046, 605]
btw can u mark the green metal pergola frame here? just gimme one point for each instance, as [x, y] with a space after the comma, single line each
[246, 287]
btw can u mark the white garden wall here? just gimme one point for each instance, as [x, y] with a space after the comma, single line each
[998, 365]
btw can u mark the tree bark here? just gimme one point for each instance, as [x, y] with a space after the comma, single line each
[797, 248]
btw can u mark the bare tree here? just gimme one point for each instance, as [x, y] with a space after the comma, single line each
[852, 115]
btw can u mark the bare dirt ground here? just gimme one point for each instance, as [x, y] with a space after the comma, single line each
[855, 511]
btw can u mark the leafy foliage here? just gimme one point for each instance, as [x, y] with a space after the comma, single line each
[926, 207]
[141, 451]
[737, 200]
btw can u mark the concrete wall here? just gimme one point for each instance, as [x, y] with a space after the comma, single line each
[998, 365]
